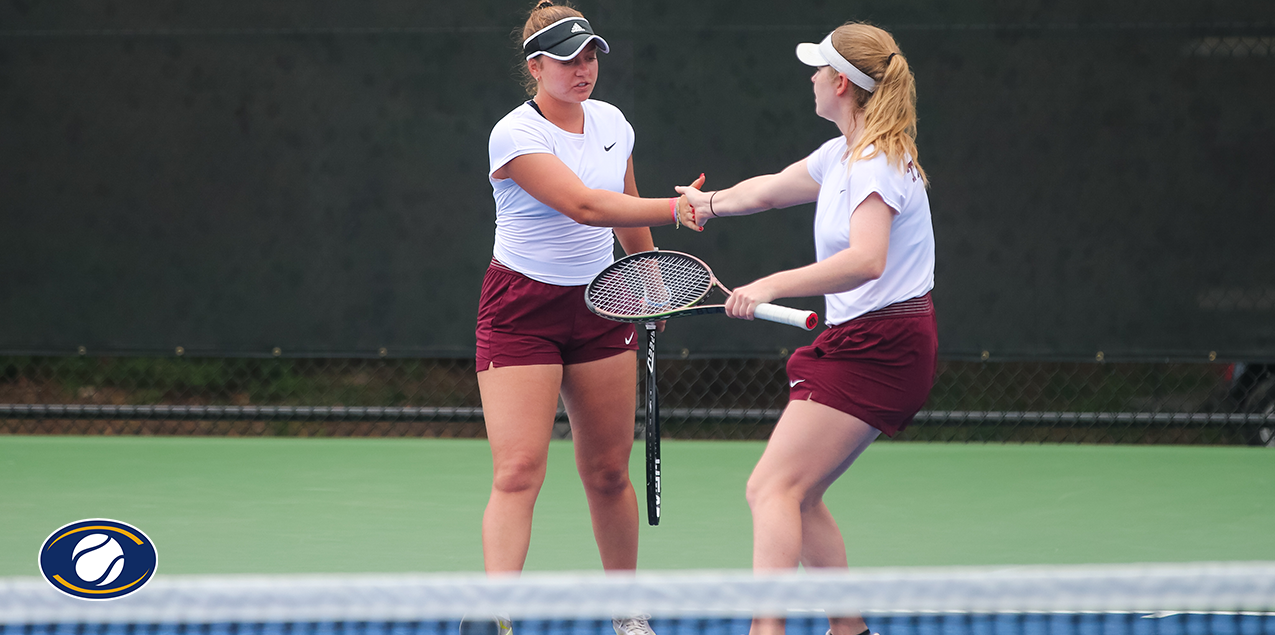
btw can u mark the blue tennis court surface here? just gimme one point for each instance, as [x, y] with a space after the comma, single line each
[937, 624]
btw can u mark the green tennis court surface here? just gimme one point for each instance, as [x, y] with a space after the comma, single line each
[225, 505]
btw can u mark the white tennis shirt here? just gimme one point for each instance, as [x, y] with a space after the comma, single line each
[909, 266]
[535, 239]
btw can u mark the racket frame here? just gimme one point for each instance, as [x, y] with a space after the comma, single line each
[692, 308]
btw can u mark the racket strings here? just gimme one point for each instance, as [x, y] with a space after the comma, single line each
[649, 286]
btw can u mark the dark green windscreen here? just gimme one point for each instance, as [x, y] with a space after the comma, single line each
[239, 176]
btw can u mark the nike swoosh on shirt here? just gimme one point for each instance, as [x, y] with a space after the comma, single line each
[793, 384]
[628, 339]
[608, 148]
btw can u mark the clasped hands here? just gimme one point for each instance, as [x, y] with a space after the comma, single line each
[693, 205]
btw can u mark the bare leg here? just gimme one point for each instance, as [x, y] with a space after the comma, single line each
[811, 446]
[822, 545]
[601, 399]
[519, 404]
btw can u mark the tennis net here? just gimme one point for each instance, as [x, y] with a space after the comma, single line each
[1168, 599]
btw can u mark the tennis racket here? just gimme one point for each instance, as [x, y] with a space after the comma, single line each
[658, 285]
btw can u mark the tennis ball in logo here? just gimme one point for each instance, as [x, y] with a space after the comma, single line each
[98, 559]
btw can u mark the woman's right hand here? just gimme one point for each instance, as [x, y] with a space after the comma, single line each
[743, 301]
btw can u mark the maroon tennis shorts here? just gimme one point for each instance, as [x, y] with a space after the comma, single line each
[878, 367]
[522, 322]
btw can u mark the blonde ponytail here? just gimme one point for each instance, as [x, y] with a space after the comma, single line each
[889, 111]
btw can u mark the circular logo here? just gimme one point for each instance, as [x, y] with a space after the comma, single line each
[98, 559]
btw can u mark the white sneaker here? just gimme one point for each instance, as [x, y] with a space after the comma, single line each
[635, 625]
[504, 625]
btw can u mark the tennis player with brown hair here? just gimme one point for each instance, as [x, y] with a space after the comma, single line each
[561, 173]
[872, 370]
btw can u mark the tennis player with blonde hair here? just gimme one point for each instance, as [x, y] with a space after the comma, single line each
[872, 369]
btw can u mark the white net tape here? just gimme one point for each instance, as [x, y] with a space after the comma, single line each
[1207, 587]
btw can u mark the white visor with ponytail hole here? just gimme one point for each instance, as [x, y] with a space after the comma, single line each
[825, 54]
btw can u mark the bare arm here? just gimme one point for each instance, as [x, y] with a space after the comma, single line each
[550, 181]
[863, 261]
[791, 186]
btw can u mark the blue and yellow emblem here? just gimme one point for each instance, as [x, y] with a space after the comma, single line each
[98, 559]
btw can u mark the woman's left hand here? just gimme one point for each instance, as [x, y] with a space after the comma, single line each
[743, 301]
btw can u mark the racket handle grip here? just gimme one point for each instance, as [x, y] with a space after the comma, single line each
[783, 315]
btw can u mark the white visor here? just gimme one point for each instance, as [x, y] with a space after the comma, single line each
[825, 54]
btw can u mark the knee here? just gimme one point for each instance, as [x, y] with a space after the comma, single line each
[758, 491]
[764, 490]
[516, 475]
[608, 480]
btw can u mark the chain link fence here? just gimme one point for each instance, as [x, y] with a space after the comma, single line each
[733, 398]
